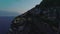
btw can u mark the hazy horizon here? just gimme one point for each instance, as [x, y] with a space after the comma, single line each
[16, 6]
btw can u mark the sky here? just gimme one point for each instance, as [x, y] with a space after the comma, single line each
[16, 7]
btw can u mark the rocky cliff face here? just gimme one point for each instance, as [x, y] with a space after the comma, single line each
[48, 15]
[36, 15]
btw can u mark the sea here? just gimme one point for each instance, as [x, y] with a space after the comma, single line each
[5, 22]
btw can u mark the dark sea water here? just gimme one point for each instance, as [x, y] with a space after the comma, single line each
[5, 22]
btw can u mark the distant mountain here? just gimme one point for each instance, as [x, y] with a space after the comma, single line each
[5, 22]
